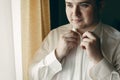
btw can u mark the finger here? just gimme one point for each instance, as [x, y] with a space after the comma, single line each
[84, 44]
[71, 46]
[86, 40]
[71, 34]
[89, 35]
[76, 30]
[70, 39]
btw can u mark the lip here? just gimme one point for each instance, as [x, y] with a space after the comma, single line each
[76, 20]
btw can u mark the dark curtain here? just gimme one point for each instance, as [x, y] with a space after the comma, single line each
[110, 15]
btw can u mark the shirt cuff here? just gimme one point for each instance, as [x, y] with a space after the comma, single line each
[52, 62]
[101, 70]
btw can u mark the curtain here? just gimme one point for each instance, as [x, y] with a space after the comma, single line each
[7, 58]
[35, 26]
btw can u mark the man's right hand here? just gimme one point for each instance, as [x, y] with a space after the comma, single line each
[68, 41]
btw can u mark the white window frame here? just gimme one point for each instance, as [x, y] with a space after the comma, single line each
[16, 19]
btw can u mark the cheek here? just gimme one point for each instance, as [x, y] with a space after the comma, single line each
[89, 16]
[68, 13]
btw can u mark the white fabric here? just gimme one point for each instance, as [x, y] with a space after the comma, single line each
[76, 65]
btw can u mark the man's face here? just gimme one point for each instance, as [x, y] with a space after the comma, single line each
[82, 13]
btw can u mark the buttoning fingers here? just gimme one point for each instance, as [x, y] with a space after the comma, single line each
[89, 35]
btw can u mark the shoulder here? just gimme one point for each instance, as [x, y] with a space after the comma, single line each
[62, 28]
[111, 32]
[55, 33]
[53, 37]
[110, 42]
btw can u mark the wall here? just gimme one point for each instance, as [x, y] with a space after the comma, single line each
[7, 66]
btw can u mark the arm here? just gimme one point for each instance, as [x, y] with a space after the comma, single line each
[102, 68]
[105, 70]
[46, 68]
[44, 64]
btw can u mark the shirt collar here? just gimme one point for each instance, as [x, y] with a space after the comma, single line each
[98, 30]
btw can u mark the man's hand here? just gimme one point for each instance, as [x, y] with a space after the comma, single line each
[67, 42]
[91, 43]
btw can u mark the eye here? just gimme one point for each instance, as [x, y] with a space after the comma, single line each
[84, 5]
[69, 5]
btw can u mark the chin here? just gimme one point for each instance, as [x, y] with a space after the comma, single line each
[77, 25]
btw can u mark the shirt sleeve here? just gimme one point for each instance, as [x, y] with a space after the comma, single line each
[104, 71]
[46, 68]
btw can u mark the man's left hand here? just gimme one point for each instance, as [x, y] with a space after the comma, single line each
[91, 43]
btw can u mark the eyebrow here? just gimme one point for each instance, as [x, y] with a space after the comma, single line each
[88, 2]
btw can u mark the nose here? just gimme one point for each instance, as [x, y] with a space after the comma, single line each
[76, 11]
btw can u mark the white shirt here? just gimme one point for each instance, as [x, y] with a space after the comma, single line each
[76, 65]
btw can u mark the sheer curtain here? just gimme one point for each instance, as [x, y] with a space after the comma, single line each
[7, 65]
[35, 26]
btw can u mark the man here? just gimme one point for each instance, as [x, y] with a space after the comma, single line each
[85, 49]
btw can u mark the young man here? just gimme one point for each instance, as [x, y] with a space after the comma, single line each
[85, 49]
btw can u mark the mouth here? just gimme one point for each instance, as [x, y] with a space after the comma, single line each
[77, 20]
